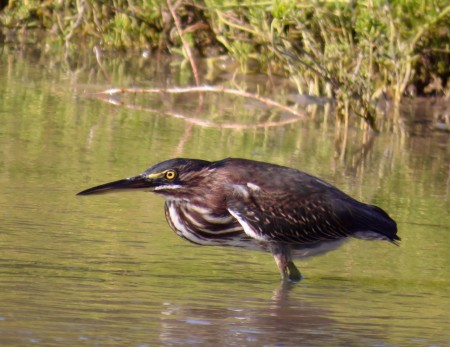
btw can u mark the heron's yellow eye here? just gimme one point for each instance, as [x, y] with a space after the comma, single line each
[170, 174]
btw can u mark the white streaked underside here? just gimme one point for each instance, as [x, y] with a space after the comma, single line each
[370, 235]
[319, 248]
[208, 216]
[196, 232]
[183, 230]
[248, 229]
[180, 227]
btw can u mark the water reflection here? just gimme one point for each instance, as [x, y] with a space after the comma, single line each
[247, 321]
[293, 315]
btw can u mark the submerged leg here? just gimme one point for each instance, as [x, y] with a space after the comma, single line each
[282, 256]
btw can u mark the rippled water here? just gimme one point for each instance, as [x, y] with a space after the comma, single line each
[106, 270]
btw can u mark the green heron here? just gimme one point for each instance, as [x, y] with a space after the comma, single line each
[256, 205]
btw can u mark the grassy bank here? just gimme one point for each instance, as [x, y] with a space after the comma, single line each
[355, 52]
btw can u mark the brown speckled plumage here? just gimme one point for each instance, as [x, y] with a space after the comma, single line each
[256, 205]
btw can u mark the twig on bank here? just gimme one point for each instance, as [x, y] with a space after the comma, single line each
[81, 7]
[183, 40]
[98, 57]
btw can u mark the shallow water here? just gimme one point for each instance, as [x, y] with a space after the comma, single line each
[106, 270]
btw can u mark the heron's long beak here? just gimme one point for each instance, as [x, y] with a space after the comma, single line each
[131, 183]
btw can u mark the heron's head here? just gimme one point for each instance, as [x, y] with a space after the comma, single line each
[171, 178]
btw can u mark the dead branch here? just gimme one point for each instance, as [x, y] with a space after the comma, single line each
[200, 122]
[200, 89]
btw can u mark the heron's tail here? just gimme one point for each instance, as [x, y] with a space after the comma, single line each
[370, 222]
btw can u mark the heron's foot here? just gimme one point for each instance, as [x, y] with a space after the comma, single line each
[282, 255]
[290, 273]
[294, 273]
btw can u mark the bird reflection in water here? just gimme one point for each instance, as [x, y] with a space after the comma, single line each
[247, 314]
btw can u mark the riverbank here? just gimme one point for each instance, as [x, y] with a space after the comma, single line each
[356, 53]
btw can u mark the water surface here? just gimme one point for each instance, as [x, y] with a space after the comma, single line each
[106, 270]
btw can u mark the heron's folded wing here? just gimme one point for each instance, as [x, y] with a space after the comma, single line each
[288, 216]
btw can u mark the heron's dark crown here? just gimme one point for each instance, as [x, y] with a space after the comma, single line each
[179, 164]
[175, 178]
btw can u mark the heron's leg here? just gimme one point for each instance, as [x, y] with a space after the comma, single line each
[282, 256]
[294, 273]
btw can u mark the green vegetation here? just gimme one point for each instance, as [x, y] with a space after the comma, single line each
[352, 51]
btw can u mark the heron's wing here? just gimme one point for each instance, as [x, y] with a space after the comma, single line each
[315, 213]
